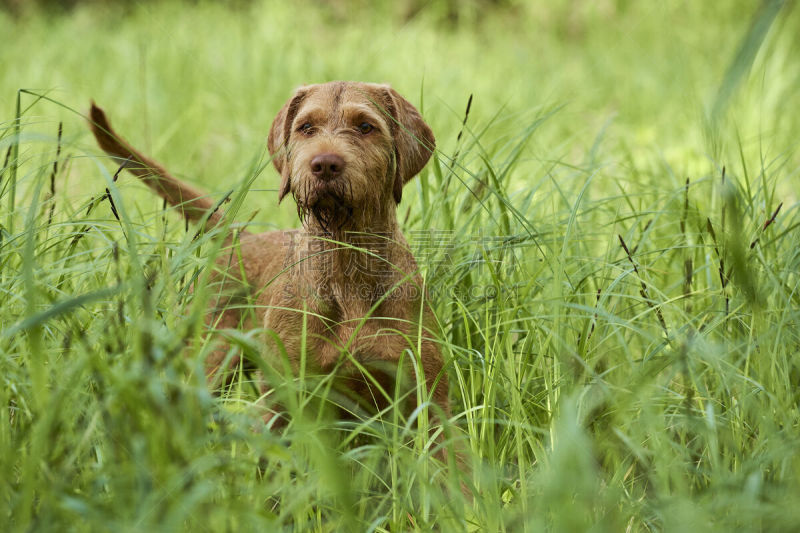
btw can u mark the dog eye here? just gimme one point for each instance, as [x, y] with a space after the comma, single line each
[305, 128]
[365, 128]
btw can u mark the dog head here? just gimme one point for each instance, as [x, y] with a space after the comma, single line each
[342, 147]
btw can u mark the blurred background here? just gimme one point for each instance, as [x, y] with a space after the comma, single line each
[198, 83]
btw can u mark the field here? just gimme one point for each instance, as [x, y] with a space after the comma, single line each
[608, 232]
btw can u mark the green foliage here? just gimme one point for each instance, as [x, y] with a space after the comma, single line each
[608, 237]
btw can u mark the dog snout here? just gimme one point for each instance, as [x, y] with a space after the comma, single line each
[327, 166]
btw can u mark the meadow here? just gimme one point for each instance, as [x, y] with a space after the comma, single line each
[608, 231]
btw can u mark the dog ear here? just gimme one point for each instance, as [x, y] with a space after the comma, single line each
[277, 142]
[413, 140]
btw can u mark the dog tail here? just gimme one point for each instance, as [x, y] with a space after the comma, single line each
[192, 204]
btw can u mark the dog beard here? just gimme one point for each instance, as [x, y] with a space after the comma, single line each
[329, 204]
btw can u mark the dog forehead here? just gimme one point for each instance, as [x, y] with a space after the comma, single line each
[337, 96]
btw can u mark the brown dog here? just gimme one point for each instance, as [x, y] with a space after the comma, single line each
[344, 151]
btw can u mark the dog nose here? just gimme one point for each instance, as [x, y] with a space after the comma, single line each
[327, 166]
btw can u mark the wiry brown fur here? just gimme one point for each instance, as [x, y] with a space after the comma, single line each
[348, 271]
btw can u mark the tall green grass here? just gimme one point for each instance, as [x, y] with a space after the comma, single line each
[609, 238]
